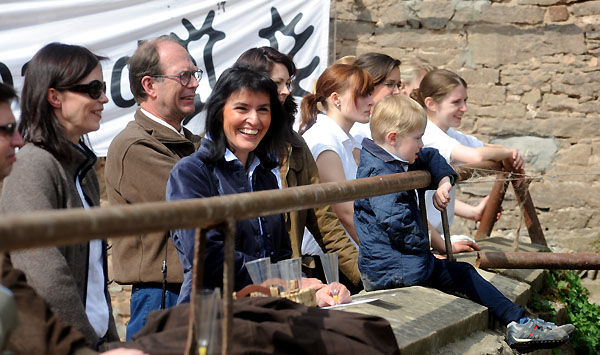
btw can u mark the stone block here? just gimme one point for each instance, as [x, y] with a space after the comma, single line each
[498, 13]
[576, 154]
[479, 76]
[555, 124]
[558, 13]
[533, 97]
[561, 102]
[539, 2]
[538, 152]
[509, 110]
[567, 218]
[494, 46]
[421, 39]
[486, 95]
[588, 8]
[563, 194]
[350, 30]
[394, 13]
[433, 15]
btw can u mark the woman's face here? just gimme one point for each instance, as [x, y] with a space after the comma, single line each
[408, 87]
[77, 112]
[246, 119]
[449, 112]
[358, 110]
[280, 75]
[388, 87]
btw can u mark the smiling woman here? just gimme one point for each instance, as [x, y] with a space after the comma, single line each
[238, 154]
[62, 100]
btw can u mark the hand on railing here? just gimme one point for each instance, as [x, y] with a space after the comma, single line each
[441, 197]
[515, 164]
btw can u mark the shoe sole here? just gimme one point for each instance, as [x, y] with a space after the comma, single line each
[528, 345]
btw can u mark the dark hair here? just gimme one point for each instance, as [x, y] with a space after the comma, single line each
[336, 78]
[145, 61]
[263, 59]
[7, 93]
[437, 84]
[379, 65]
[56, 65]
[234, 79]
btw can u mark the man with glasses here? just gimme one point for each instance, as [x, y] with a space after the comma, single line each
[163, 80]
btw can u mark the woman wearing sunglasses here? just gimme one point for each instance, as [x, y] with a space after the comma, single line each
[62, 100]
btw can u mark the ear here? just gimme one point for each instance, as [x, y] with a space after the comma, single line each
[149, 86]
[54, 97]
[391, 138]
[430, 104]
[335, 99]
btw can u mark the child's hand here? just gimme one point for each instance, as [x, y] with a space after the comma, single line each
[441, 198]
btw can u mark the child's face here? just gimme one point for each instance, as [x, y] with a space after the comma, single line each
[449, 111]
[408, 145]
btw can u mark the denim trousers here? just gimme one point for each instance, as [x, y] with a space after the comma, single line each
[459, 277]
[146, 298]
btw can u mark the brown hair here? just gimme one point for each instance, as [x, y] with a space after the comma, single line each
[397, 113]
[379, 65]
[336, 78]
[145, 61]
[437, 84]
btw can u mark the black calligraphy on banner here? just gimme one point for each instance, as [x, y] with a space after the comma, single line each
[300, 39]
[213, 37]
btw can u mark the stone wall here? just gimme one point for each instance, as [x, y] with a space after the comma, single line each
[533, 75]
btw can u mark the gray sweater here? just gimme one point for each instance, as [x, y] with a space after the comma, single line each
[39, 181]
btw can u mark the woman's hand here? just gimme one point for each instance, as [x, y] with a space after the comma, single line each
[464, 246]
[325, 296]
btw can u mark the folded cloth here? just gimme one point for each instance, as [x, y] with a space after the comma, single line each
[274, 326]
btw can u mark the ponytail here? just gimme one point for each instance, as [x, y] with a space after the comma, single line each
[309, 111]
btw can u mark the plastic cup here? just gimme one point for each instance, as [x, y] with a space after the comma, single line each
[259, 270]
[291, 272]
[330, 268]
[206, 313]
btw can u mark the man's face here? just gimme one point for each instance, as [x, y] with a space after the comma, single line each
[8, 142]
[174, 101]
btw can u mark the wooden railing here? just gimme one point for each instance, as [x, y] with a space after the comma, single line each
[59, 227]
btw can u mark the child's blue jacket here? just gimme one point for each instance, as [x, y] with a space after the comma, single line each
[394, 249]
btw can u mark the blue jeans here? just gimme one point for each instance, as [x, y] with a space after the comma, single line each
[146, 298]
[459, 277]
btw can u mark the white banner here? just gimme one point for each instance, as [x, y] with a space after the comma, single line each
[214, 32]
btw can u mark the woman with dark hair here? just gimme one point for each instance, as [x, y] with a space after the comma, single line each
[386, 81]
[297, 168]
[62, 100]
[236, 156]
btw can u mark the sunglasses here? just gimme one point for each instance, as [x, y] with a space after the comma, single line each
[8, 129]
[95, 88]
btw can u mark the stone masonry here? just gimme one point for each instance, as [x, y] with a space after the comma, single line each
[533, 76]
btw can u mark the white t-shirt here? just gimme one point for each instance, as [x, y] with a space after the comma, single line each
[96, 307]
[444, 142]
[361, 131]
[324, 135]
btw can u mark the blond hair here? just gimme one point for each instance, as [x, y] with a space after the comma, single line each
[412, 68]
[398, 113]
[347, 59]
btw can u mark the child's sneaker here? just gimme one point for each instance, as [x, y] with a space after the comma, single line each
[533, 334]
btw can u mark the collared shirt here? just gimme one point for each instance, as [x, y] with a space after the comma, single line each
[161, 121]
[325, 135]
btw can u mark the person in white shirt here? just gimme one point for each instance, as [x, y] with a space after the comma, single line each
[344, 93]
[386, 81]
[443, 94]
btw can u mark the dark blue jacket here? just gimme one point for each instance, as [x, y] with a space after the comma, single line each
[394, 249]
[194, 177]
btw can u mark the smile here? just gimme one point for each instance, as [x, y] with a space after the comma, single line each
[249, 131]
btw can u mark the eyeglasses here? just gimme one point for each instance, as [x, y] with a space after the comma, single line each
[8, 129]
[392, 85]
[184, 77]
[95, 88]
[287, 84]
